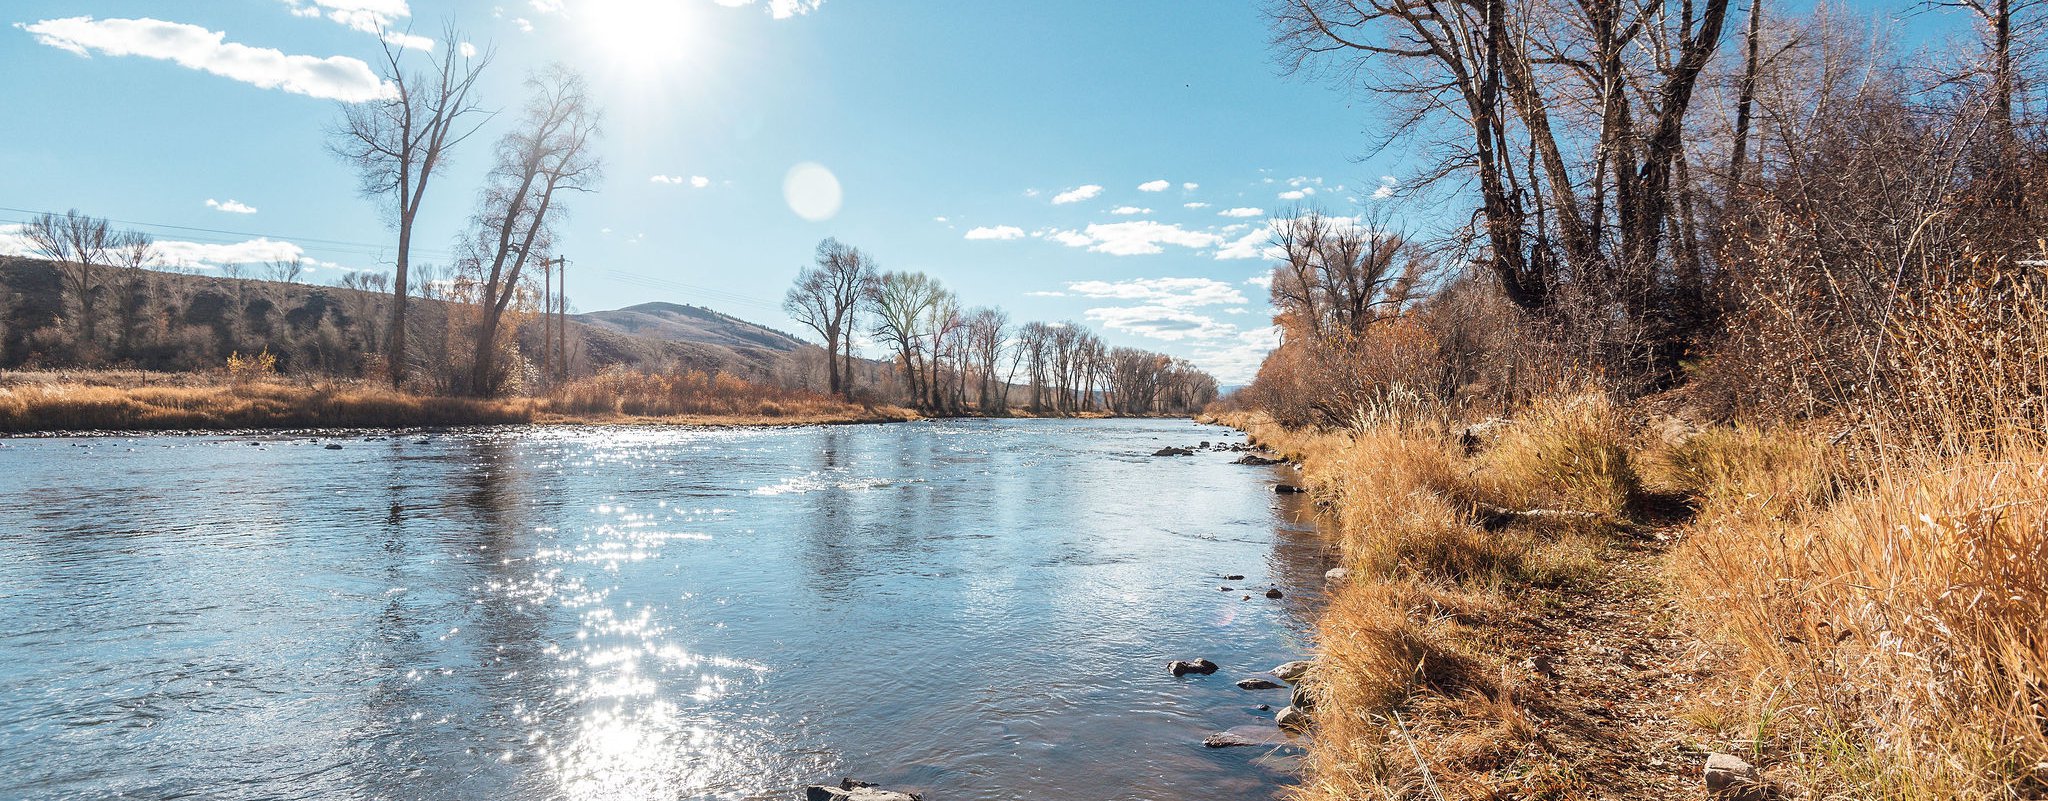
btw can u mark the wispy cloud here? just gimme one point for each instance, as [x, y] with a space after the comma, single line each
[1154, 186]
[1190, 186]
[193, 47]
[695, 181]
[1254, 245]
[779, 9]
[1195, 205]
[1126, 210]
[1243, 211]
[995, 232]
[1161, 322]
[1135, 238]
[231, 206]
[1177, 293]
[1077, 194]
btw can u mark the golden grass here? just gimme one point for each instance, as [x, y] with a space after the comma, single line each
[1411, 632]
[1892, 642]
[695, 397]
[31, 407]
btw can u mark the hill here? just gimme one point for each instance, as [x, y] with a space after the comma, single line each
[675, 322]
[164, 321]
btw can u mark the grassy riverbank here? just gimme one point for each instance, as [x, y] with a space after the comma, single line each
[1580, 603]
[144, 401]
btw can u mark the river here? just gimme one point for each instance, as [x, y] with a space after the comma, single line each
[972, 609]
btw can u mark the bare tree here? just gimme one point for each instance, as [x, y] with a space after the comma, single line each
[988, 334]
[133, 251]
[287, 271]
[396, 143]
[902, 305]
[550, 151]
[79, 244]
[827, 299]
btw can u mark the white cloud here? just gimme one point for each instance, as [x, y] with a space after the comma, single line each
[546, 6]
[468, 50]
[1070, 238]
[1154, 186]
[1237, 310]
[996, 232]
[1386, 188]
[1235, 361]
[1195, 205]
[1178, 293]
[695, 181]
[1262, 280]
[332, 78]
[779, 9]
[525, 25]
[1190, 186]
[1245, 211]
[1161, 322]
[1297, 194]
[939, 219]
[1077, 194]
[1138, 238]
[204, 254]
[1253, 245]
[1042, 293]
[1129, 210]
[232, 206]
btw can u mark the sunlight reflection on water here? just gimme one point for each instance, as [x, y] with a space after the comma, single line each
[976, 609]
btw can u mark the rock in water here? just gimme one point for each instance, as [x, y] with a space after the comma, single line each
[850, 790]
[1729, 777]
[1291, 718]
[333, 447]
[1172, 451]
[1292, 671]
[1233, 578]
[1287, 489]
[1247, 736]
[1255, 460]
[1182, 667]
[1273, 593]
[1259, 683]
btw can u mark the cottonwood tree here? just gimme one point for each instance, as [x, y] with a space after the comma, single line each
[902, 304]
[988, 334]
[79, 244]
[550, 151]
[397, 142]
[133, 252]
[827, 299]
[287, 271]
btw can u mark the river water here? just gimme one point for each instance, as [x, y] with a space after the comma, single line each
[971, 609]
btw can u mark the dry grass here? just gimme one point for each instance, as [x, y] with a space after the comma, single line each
[697, 397]
[72, 406]
[1415, 632]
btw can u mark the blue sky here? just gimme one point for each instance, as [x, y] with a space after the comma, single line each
[1064, 159]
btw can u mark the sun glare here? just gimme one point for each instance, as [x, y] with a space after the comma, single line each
[644, 37]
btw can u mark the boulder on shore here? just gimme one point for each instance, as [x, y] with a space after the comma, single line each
[1259, 683]
[1292, 671]
[1337, 575]
[1291, 718]
[851, 790]
[1255, 459]
[1182, 667]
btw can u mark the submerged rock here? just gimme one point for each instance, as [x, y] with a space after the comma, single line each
[333, 447]
[1292, 671]
[851, 790]
[1259, 683]
[1241, 736]
[1182, 667]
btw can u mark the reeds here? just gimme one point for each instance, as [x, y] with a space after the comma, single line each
[78, 406]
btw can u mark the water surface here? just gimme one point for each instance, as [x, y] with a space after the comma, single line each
[973, 609]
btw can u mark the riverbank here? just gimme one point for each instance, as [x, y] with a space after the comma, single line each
[1577, 603]
[135, 401]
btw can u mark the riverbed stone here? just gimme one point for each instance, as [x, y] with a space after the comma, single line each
[1728, 776]
[1292, 672]
[1182, 667]
[1242, 736]
[851, 790]
[1259, 683]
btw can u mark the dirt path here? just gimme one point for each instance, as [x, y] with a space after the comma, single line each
[1604, 673]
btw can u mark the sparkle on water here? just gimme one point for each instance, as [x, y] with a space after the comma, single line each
[976, 609]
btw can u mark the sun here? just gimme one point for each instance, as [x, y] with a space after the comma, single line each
[643, 37]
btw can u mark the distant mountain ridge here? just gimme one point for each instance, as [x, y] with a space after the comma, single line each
[677, 322]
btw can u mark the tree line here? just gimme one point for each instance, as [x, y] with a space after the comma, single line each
[1653, 194]
[955, 360]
